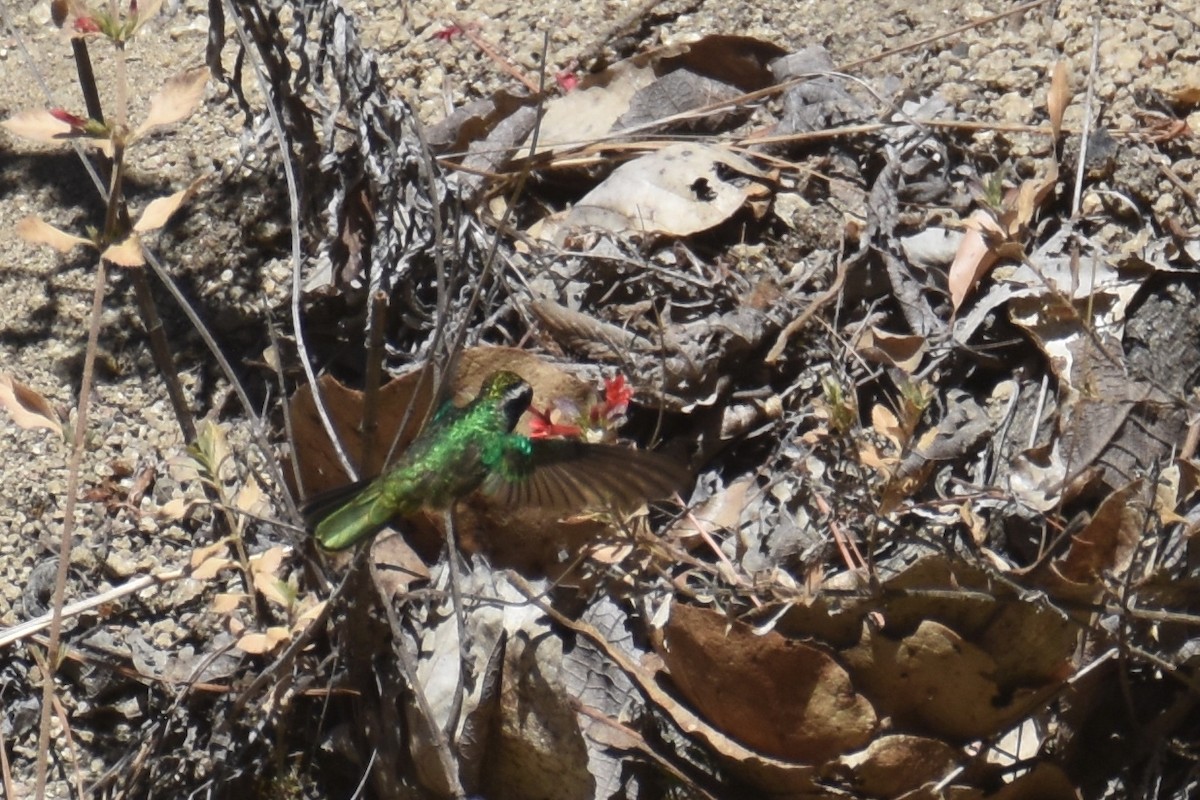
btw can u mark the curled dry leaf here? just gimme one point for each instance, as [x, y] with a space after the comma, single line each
[27, 408]
[175, 509]
[995, 234]
[202, 554]
[1108, 541]
[974, 257]
[903, 351]
[206, 561]
[310, 614]
[1059, 96]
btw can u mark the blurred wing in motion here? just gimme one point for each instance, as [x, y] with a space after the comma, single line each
[568, 475]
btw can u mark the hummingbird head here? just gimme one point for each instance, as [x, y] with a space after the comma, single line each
[511, 394]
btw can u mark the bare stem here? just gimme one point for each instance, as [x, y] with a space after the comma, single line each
[64, 555]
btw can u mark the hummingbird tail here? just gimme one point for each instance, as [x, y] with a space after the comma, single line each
[342, 516]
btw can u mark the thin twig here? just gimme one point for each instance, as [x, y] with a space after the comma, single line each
[18, 632]
[64, 554]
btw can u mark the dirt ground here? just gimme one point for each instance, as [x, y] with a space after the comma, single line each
[229, 253]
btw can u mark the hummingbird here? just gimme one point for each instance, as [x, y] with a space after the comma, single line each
[474, 447]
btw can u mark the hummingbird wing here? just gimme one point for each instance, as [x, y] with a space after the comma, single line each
[569, 475]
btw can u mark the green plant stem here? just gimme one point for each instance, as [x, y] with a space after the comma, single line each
[64, 555]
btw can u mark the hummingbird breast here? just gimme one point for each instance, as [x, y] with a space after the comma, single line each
[442, 465]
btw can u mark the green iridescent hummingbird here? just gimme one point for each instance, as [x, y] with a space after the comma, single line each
[473, 447]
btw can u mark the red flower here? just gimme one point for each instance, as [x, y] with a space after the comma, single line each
[541, 426]
[617, 394]
[448, 33]
[566, 80]
[87, 25]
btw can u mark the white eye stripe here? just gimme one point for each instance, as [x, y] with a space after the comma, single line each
[518, 393]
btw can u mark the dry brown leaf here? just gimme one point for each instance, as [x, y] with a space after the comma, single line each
[176, 101]
[175, 509]
[886, 424]
[800, 705]
[159, 211]
[398, 566]
[974, 257]
[27, 408]
[257, 644]
[1059, 96]
[38, 126]
[894, 764]
[903, 351]
[36, 231]
[934, 681]
[679, 190]
[209, 568]
[226, 602]
[127, 253]
[252, 499]
[267, 562]
[1107, 542]
[272, 588]
[308, 615]
[1031, 196]
[202, 554]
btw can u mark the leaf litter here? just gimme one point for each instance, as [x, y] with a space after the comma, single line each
[916, 526]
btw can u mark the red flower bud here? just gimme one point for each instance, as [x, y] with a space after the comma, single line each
[87, 25]
[62, 115]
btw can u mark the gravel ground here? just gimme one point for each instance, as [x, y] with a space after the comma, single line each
[227, 250]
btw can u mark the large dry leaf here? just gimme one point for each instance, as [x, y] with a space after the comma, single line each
[897, 763]
[177, 100]
[799, 706]
[640, 92]
[320, 467]
[589, 113]
[27, 408]
[933, 681]
[679, 190]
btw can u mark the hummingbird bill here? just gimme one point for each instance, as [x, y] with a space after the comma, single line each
[474, 447]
